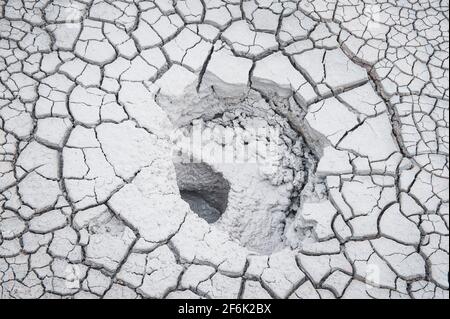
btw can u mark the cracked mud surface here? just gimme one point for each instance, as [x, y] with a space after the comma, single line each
[94, 203]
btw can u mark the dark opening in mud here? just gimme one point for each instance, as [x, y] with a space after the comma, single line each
[254, 170]
[205, 190]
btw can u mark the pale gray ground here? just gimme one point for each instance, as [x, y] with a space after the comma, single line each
[99, 98]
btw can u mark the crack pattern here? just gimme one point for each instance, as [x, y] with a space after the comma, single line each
[92, 90]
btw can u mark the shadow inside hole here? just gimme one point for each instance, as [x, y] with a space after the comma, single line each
[205, 190]
[200, 206]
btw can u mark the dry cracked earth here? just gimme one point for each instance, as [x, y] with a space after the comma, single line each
[113, 113]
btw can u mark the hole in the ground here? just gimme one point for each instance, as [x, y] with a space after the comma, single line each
[245, 170]
[205, 190]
